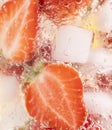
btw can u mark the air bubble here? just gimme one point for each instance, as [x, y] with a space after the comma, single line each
[78, 1]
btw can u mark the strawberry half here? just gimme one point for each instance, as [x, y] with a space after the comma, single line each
[59, 10]
[55, 98]
[18, 28]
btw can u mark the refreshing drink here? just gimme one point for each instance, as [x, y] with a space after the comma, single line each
[55, 65]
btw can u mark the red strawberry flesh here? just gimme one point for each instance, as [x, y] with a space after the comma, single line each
[18, 28]
[55, 98]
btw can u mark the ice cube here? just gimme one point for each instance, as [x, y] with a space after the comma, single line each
[13, 115]
[101, 58]
[104, 16]
[12, 106]
[98, 102]
[72, 44]
[9, 88]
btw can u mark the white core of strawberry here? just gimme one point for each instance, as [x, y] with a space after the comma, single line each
[72, 44]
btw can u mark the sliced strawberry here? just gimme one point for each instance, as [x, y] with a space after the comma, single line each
[18, 27]
[55, 98]
[58, 10]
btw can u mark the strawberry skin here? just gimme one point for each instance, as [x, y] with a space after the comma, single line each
[18, 28]
[55, 98]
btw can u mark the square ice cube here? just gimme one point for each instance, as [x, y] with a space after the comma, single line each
[72, 44]
[104, 16]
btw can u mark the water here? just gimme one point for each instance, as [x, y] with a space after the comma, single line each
[95, 73]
